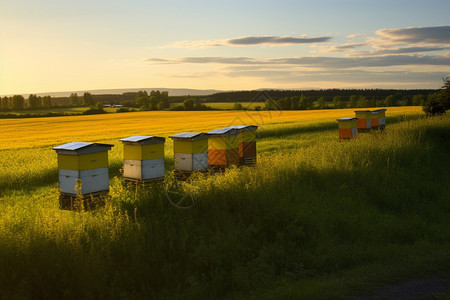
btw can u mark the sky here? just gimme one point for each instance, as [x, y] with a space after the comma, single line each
[61, 45]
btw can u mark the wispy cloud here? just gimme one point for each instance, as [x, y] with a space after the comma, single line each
[437, 35]
[275, 40]
[250, 41]
[317, 61]
[355, 35]
[401, 50]
[341, 48]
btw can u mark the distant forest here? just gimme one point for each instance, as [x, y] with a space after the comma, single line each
[329, 94]
[269, 99]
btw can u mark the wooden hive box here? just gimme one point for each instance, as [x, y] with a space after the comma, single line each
[223, 147]
[347, 128]
[87, 162]
[364, 120]
[247, 143]
[190, 151]
[380, 115]
[143, 158]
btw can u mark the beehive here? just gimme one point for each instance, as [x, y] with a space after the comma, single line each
[364, 120]
[190, 151]
[247, 143]
[347, 128]
[87, 162]
[380, 115]
[143, 158]
[223, 147]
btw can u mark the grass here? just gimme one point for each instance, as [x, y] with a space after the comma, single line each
[316, 218]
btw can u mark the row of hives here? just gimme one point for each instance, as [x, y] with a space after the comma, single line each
[364, 120]
[144, 157]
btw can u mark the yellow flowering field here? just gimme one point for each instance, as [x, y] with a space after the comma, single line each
[25, 133]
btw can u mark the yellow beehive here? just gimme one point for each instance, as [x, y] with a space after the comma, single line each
[347, 128]
[247, 143]
[190, 151]
[83, 161]
[223, 147]
[364, 120]
[143, 158]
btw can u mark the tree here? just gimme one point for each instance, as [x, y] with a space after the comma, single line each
[321, 103]
[142, 99]
[445, 94]
[73, 100]
[4, 104]
[88, 99]
[338, 103]
[237, 106]
[34, 101]
[362, 102]
[305, 102]
[284, 103]
[17, 102]
[163, 105]
[189, 104]
[406, 101]
[353, 101]
[389, 100]
[46, 101]
[295, 100]
[438, 103]
[418, 100]
[433, 106]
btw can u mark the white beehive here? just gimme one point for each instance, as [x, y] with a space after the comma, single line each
[143, 157]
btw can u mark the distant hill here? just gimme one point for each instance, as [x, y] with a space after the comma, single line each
[172, 92]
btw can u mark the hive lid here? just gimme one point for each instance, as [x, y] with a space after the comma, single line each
[189, 136]
[362, 111]
[143, 140]
[346, 119]
[224, 131]
[380, 110]
[82, 147]
[244, 127]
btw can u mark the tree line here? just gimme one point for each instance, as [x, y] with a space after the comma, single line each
[303, 102]
[18, 102]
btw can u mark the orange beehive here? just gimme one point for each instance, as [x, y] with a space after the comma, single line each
[247, 143]
[347, 128]
[380, 116]
[223, 147]
[364, 120]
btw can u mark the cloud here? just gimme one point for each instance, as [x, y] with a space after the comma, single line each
[275, 40]
[355, 35]
[342, 48]
[250, 41]
[317, 62]
[400, 50]
[437, 35]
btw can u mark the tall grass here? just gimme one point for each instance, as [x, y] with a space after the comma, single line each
[313, 208]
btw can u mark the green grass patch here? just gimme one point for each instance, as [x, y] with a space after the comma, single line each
[316, 218]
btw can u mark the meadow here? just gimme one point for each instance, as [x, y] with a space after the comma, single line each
[315, 218]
